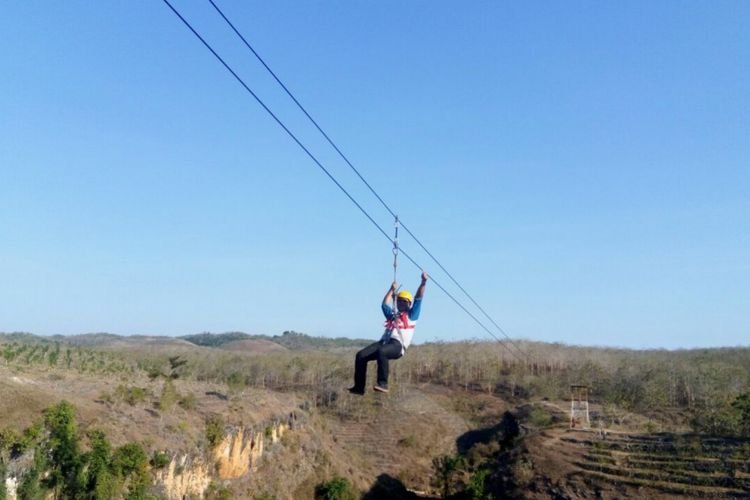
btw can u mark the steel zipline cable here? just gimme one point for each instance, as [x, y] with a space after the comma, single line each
[330, 176]
[356, 171]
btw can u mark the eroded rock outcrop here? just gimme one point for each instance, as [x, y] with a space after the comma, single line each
[238, 454]
[185, 476]
[242, 448]
[278, 431]
[15, 470]
[11, 486]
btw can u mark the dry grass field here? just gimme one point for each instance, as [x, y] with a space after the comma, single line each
[479, 426]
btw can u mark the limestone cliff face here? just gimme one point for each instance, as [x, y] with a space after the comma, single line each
[11, 485]
[16, 469]
[238, 454]
[185, 476]
[278, 431]
[242, 448]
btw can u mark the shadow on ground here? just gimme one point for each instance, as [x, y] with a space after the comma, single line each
[504, 432]
[388, 487]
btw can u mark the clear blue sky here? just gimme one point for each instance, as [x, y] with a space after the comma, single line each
[581, 167]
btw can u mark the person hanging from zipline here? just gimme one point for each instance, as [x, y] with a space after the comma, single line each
[399, 331]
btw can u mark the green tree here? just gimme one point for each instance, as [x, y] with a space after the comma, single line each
[337, 488]
[53, 355]
[445, 469]
[236, 382]
[476, 489]
[65, 460]
[214, 430]
[160, 460]
[131, 395]
[31, 487]
[101, 482]
[8, 353]
[715, 420]
[30, 437]
[131, 462]
[8, 437]
[169, 396]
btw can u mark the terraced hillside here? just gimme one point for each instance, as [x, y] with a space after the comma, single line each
[665, 465]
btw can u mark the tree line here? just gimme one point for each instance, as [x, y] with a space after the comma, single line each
[706, 385]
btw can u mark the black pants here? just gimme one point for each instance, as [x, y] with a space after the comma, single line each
[382, 353]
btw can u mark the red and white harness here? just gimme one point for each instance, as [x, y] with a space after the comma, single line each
[401, 328]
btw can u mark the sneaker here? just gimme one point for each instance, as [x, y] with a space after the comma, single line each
[358, 392]
[380, 388]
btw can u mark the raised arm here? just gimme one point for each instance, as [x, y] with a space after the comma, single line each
[420, 290]
[389, 294]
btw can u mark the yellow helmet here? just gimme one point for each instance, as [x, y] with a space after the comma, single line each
[406, 295]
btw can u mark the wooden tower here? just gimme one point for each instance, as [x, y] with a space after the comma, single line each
[579, 407]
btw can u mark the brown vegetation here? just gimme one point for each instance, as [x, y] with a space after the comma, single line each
[447, 400]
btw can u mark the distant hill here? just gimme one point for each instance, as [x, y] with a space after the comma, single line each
[89, 339]
[207, 339]
[290, 340]
[254, 346]
[20, 337]
[100, 339]
[300, 341]
[105, 340]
